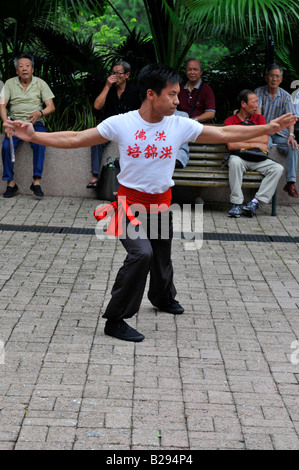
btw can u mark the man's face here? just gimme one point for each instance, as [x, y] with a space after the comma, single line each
[252, 105]
[193, 71]
[25, 69]
[274, 78]
[166, 103]
[120, 75]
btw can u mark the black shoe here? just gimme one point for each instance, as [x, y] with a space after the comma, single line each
[10, 191]
[173, 307]
[121, 330]
[37, 190]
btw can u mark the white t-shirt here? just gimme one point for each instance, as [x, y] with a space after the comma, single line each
[148, 150]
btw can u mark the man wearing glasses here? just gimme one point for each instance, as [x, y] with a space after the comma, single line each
[117, 97]
[274, 102]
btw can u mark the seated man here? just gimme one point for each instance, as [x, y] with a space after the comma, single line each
[29, 99]
[196, 97]
[274, 101]
[272, 171]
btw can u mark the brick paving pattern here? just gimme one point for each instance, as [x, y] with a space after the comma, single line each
[222, 376]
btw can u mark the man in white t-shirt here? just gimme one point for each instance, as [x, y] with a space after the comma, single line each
[148, 141]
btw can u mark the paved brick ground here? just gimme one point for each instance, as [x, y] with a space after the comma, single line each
[222, 376]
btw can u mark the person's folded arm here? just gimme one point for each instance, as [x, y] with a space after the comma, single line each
[247, 145]
[206, 116]
[260, 142]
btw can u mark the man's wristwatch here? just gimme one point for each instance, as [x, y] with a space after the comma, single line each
[41, 113]
[293, 135]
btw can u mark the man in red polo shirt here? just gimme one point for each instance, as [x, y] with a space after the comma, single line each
[196, 97]
[197, 100]
[248, 104]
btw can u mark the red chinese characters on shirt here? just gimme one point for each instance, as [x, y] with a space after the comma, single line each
[160, 136]
[151, 151]
[133, 151]
[166, 152]
[141, 135]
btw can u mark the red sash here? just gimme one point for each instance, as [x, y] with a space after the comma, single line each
[126, 197]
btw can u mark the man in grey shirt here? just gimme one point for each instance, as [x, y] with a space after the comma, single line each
[274, 102]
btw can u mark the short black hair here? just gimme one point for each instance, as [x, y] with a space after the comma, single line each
[243, 96]
[25, 55]
[156, 77]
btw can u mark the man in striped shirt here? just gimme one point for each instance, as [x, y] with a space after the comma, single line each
[295, 99]
[274, 102]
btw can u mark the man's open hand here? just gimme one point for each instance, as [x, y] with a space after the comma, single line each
[22, 130]
[276, 125]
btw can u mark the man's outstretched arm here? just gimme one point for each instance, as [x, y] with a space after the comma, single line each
[63, 139]
[218, 135]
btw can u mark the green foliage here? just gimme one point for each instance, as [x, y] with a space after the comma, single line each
[172, 32]
[75, 73]
[111, 29]
[243, 68]
[105, 30]
[72, 117]
[76, 42]
[107, 37]
[72, 68]
[288, 54]
[209, 52]
[126, 10]
[234, 18]
[244, 27]
[138, 50]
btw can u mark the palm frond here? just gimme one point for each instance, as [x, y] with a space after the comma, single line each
[172, 30]
[245, 17]
[288, 55]
[137, 49]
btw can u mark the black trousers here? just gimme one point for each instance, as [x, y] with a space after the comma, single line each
[148, 249]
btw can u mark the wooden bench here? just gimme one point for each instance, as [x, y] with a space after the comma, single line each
[204, 170]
